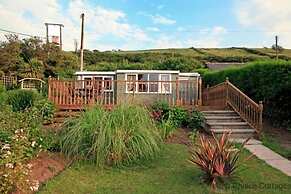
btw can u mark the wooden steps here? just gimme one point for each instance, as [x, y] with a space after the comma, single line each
[219, 121]
[58, 120]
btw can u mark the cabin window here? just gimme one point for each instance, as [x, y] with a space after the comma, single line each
[142, 82]
[88, 82]
[165, 83]
[148, 83]
[153, 82]
[131, 82]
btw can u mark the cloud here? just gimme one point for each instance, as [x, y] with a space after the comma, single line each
[206, 38]
[272, 17]
[153, 29]
[30, 16]
[158, 19]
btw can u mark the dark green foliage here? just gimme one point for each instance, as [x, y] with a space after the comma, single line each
[46, 109]
[269, 81]
[167, 127]
[3, 95]
[20, 99]
[182, 64]
[122, 136]
[179, 116]
[161, 111]
[196, 119]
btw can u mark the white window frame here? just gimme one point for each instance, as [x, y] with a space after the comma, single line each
[103, 85]
[160, 88]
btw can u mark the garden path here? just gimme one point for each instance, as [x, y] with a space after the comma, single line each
[270, 157]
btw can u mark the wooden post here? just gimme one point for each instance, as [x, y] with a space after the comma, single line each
[49, 88]
[207, 96]
[61, 39]
[177, 91]
[82, 39]
[226, 91]
[261, 117]
[200, 92]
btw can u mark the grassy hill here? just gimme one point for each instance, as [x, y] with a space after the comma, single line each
[219, 52]
[184, 59]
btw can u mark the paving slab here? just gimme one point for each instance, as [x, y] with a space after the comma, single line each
[270, 157]
[264, 153]
[282, 165]
[250, 142]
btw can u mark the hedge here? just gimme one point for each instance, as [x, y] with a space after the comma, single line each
[269, 81]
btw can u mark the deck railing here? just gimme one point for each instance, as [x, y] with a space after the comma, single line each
[226, 94]
[77, 94]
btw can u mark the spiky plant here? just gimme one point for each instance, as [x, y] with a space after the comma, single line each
[217, 158]
[123, 135]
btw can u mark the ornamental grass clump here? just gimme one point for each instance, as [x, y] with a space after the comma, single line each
[217, 158]
[121, 136]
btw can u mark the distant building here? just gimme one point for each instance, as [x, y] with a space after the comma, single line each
[221, 65]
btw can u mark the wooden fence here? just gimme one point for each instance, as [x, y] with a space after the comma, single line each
[226, 94]
[8, 81]
[77, 94]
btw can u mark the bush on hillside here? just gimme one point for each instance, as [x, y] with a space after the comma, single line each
[161, 111]
[3, 95]
[269, 81]
[196, 120]
[20, 99]
[45, 109]
[122, 136]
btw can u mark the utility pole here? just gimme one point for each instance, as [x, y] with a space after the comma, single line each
[276, 40]
[47, 36]
[82, 40]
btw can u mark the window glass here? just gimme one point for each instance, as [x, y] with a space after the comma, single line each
[131, 80]
[153, 82]
[88, 81]
[166, 85]
[143, 82]
[107, 83]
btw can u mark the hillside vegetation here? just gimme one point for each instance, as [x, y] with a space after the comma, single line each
[34, 58]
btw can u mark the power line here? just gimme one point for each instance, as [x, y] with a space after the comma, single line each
[20, 33]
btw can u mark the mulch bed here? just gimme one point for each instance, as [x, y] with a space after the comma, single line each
[45, 166]
[181, 136]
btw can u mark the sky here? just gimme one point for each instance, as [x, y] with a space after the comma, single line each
[148, 24]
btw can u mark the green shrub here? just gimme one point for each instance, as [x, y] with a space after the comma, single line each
[3, 95]
[179, 116]
[161, 110]
[123, 136]
[2, 89]
[45, 108]
[196, 119]
[20, 99]
[167, 127]
[20, 139]
[269, 81]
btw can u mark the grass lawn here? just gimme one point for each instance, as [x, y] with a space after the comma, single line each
[275, 145]
[170, 173]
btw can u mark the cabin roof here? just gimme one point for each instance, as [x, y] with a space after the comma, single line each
[194, 74]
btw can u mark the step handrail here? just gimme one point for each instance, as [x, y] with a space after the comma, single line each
[226, 94]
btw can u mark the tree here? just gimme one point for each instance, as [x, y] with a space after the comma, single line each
[10, 59]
